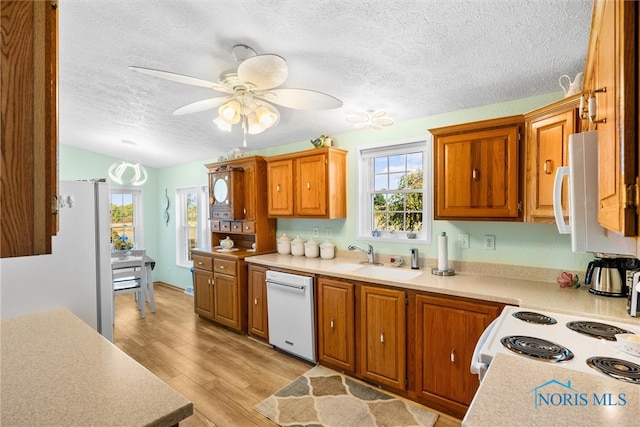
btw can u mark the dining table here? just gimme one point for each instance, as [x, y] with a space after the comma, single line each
[150, 264]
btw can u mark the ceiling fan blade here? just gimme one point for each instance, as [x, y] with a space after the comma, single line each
[302, 99]
[204, 105]
[180, 78]
[263, 71]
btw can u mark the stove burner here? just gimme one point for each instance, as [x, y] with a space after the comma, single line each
[619, 369]
[537, 348]
[532, 317]
[597, 330]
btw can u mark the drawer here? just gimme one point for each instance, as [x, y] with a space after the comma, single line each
[215, 225]
[236, 226]
[222, 214]
[225, 225]
[249, 227]
[224, 266]
[202, 262]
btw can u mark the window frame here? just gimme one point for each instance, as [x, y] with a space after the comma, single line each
[365, 157]
[138, 213]
[202, 229]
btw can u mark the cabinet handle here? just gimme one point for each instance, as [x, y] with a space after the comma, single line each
[382, 337]
[475, 174]
[278, 188]
[200, 263]
[255, 301]
[331, 323]
[221, 267]
[308, 186]
[548, 167]
[54, 204]
[593, 107]
[453, 356]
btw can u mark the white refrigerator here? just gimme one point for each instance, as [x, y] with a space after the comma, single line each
[77, 274]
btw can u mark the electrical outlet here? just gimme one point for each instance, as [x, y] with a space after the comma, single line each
[490, 242]
[464, 240]
[315, 231]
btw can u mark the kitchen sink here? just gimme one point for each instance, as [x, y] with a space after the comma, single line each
[345, 267]
[391, 273]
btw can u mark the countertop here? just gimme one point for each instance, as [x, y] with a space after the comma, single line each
[520, 392]
[524, 293]
[56, 370]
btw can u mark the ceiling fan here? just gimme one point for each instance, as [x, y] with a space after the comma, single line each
[249, 92]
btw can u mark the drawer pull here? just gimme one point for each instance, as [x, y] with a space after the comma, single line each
[221, 267]
[382, 337]
[475, 174]
[548, 169]
[332, 324]
[308, 186]
[255, 301]
[200, 263]
[278, 188]
[453, 356]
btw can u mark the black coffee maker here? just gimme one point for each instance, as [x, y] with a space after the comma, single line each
[607, 275]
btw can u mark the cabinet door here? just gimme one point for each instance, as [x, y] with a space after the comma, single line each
[446, 332]
[28, 110]
[611, 74]
[225, 300]
[280, 180]
[249, 192]
[258, 320]
[477, 175]
[548, 144]
[203, 296]
[336, 324]
[311, 185]
[382, 336]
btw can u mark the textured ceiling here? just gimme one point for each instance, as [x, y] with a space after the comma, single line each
[411, 58]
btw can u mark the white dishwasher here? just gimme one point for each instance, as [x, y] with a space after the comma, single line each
[290, 308]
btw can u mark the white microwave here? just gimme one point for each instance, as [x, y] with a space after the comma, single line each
[587, 235]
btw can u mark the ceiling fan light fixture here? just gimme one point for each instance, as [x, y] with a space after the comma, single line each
[230, 112]
[222, 124]
[266, 117]
[253, 124]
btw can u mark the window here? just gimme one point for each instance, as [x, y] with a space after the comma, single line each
[395, 191]
[126, 216]
[187, 224]
[192, 225]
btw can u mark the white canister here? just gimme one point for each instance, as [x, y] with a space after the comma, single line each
[284, 245]
[327, 250]
[311, 249]
[297, 246]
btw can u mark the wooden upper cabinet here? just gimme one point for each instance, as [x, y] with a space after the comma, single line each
[226, 193]
[308, 184]
[548, 129]
[29, 148]
[280, 187]
[477, 170]
[611, 77]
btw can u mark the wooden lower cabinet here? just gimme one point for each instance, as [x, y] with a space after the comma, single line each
[381, 331]
[258, 315]
[220, 290]
[336, 323]
[443, 332]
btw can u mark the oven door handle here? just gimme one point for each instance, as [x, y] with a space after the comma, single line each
[478, 367]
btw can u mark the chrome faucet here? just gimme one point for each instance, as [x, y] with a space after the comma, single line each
[368, 252]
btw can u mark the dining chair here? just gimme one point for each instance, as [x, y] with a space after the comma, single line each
[129, 276]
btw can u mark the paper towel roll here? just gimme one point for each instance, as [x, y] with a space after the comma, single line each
[443, 262]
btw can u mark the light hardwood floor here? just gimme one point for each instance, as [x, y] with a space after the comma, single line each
[223, 373]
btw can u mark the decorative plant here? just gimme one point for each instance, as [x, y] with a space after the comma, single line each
[322, 141]
[122, 243]
[566, 280]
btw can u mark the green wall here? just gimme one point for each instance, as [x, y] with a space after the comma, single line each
[534, 245]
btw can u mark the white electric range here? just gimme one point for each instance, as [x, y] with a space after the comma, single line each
[546, 336]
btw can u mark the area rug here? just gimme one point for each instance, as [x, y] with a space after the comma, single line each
[322, 397]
